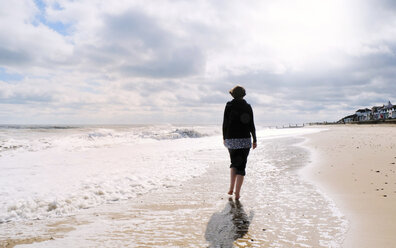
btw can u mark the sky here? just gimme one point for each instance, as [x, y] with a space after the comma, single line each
[143, 62]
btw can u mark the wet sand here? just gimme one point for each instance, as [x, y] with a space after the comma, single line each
[277, 209]
[356, 166]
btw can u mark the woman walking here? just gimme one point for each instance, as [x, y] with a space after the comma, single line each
[238, 127]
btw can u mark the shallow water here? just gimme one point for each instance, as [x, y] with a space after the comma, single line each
[294, 212]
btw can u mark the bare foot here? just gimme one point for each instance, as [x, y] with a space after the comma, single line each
[230, 192]
[237, 196]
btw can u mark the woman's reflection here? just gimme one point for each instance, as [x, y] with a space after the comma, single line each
[228, 225]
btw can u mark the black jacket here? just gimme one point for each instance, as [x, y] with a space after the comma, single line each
[238, 120]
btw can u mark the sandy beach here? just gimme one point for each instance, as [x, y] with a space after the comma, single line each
[356, 166]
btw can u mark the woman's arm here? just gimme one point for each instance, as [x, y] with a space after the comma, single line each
[225, 121]
[253, 128]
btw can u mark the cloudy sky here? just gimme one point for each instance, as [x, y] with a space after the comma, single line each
[124, 62]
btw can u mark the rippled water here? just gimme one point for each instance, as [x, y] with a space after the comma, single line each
[293, 212]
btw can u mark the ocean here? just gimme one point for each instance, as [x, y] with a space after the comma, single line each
[49, 173]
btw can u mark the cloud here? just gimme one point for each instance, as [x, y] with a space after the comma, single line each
[146, 49]
[14, 57]
[180, 63]
[174, 61]
[26, 43]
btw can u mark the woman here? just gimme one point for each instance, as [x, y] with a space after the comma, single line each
[238, 125]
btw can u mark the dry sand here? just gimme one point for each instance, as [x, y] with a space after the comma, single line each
[356, 166]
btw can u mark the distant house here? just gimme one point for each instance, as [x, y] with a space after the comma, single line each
[349, 118]
[363, 114]
[376, 113]
[391, 110]
[383, 113]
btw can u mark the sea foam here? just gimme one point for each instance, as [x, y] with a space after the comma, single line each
[56, 172]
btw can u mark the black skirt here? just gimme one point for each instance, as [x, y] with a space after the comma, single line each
[239, 159]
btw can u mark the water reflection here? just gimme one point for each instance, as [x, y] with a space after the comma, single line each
[228, 225]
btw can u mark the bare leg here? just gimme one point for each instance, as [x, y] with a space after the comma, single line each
[239, 182]
[232, 181]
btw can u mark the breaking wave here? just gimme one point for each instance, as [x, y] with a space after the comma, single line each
[34, 138]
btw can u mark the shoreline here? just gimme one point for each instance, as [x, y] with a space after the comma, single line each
[355, 167]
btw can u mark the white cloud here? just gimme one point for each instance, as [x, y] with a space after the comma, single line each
[174, 61]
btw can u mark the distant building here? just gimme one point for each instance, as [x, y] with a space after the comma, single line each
[383, 112]
[363, 114]
[348, 119]
[391, 110]
[386, 111]
[375, 114]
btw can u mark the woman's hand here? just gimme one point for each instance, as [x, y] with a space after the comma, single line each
[254, 145]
